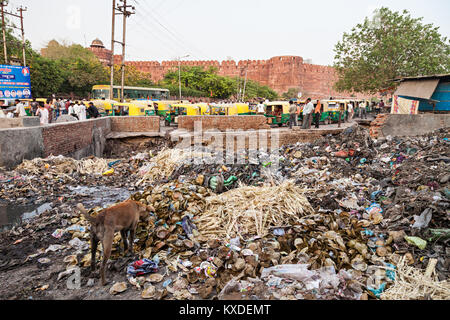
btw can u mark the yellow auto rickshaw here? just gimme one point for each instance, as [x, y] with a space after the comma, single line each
[277, 112]
[204, 108]
[180, 109]
[243, 109]
[332, 108]
[163, 107]
[147, 105]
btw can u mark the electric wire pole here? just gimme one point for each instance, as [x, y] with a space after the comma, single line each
[2, 4]
[21, 10]
[124, 11]
[111, 90]
[22, 29]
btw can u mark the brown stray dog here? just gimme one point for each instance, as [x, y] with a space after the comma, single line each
[123, 217]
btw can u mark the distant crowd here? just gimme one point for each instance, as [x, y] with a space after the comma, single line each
[51, 110]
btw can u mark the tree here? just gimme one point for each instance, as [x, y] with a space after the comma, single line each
[292, 93]
[200, 82]
[133, 77]
[46, 76]
[386, 47]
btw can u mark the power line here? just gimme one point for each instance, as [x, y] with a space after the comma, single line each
[172, 33]
[173, 46]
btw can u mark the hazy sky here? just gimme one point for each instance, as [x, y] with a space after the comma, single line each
[214, 29]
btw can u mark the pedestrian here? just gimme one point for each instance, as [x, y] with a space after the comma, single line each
[62, 107]
[308, 110]
[381, 107]
[49, 108]
[20, 109]
[155, 106]
[93, 111]
[362, 110]
[82, 111]
[34, 107]
[350, 112]
[68, 103]
[261, 108]
[341, 112]
[2, 113]
[377, 108]
[298, 113]
[292, 114]
[77, 110]
[317, 114]
[72, 111]
[43, 113]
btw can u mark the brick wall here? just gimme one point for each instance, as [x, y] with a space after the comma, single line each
[223, 123]
[68, 138]
[135, 124]
[377, 124]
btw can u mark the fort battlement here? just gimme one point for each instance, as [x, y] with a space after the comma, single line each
[281, 73]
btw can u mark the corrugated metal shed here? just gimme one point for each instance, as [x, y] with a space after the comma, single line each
[429, 90]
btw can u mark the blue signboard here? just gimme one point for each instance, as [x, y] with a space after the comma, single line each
[15, 82]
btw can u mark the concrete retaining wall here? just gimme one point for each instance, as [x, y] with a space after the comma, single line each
[74, 139]
[23, 122]
[408, 125]
[19, 144]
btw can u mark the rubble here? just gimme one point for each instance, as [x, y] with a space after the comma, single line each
[344, 217]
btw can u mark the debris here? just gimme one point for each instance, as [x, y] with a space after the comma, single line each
[142, 267]
[418, 242]
[252, 210]
[149, 292]
[415, 284]
[118, 287]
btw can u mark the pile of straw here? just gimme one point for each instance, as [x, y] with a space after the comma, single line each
[63, 166]
[252, 211]
[415, 284]
[165, 163]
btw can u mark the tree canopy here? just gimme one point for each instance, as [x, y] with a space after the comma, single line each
[205, 82]
[65, 69]
[388, 46]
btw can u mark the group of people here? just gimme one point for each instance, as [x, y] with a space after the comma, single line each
[309, 113]
[52, 109]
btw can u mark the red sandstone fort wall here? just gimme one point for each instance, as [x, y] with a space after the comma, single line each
[280, 73]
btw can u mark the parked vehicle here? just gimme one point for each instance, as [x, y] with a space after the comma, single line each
[277, 112]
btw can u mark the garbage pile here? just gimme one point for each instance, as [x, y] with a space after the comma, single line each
[415, 284]
[52, 166]
[345, 217]
[47, 180]
[250, 211]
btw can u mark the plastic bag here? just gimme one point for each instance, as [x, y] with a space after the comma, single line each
[298, 272]
[420, 243]
[424, 219]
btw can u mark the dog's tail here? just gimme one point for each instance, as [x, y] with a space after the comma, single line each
[85, 213]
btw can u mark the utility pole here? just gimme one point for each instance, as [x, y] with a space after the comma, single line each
[111, 90]
[3, 3]
[21, 10]
[124, 10]
[22, 29]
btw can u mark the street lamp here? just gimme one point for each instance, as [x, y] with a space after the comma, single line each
[179, 72]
